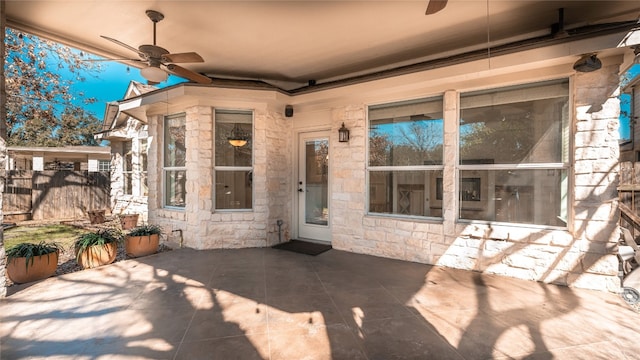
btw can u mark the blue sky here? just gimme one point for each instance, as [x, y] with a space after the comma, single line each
[111, 84]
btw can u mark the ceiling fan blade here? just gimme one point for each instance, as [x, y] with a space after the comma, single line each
[116, 59]
[188, 57]
[123, 45]
[435, 6]
[188, 74]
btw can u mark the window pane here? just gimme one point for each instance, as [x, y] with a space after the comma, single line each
[525, 124]
[174, 141]
[233, 189]
[406, 133]
[143, 167]
[175, 191]
[127, 156]
[521, 196]
[233, 125]
[127, 183]
[406, 192]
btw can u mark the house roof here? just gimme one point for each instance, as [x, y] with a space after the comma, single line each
[297, 43]
[62, 149]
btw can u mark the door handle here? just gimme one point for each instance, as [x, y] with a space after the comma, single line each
[300, 190]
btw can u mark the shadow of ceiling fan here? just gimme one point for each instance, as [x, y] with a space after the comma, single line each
[158, 59]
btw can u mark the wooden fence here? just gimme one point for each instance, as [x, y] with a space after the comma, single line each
[40, 195]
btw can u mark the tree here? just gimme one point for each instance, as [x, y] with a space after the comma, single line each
[42, 109]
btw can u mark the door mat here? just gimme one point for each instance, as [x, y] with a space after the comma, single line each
[303, 247]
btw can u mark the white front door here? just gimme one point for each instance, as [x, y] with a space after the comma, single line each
[313, 187]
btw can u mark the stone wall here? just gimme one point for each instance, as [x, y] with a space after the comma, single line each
[582, 256]
[204, 228]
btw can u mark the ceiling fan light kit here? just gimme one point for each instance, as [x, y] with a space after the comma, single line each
[154, 74]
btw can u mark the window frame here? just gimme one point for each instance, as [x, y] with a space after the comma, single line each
[226, 168]
[101, 163]
[425, 169]
[165, 168]
[562, 166]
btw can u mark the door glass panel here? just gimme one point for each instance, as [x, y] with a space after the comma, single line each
[316, 174]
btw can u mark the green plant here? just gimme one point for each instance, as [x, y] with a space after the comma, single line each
[100, 237]
[144, 230]
[31, 250]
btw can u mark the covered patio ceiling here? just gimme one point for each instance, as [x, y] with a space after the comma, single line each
[292, 43]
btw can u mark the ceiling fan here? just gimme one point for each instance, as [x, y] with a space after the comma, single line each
[159, 58]
[435, 6]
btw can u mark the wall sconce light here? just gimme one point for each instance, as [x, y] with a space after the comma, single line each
[343, 134]
[237, 137]
[587, 63]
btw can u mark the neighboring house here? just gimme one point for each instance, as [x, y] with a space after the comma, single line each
[78, 158]
[129, 143]
[504, 164]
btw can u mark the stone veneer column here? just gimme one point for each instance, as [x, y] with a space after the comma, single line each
[595, 201]
[278, 135]
[450, 174]
[199, 184]
[347, 161]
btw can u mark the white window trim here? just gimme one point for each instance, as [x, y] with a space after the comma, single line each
[233, 168]
[173, 168]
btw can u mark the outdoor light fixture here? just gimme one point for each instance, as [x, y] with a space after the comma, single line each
[587, 63]
[237, 137]
[154, 74]
[343, 134]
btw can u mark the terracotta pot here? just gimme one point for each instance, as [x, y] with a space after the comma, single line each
[41, 268]
[96, 216]
[136, 246]
[98, 255]
[128, 221]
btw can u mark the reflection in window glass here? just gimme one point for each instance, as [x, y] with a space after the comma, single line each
[405, 158]
[416, 193]
[520, 196]
[127, 168]
[144, 144]
[517, 125]
[233, 162]
[525, 131]
[405, 134]
[174, 161]
[233, 189]
[175, 188]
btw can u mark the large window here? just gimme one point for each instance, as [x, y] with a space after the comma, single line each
[514, 154]
[142, 164]
[233, 167]
[127, 168]
[174, 164]
[405, 158]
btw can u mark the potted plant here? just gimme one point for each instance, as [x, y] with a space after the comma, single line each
[97, 248]
[29, 262]
[128, 221]
[143, 240]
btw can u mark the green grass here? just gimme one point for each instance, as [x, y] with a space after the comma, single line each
[63, 235]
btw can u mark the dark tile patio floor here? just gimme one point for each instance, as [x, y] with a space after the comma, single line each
[274, 304]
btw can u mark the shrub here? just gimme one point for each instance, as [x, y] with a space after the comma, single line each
[144, 230]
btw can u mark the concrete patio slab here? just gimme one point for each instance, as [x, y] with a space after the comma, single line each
[273, 304]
